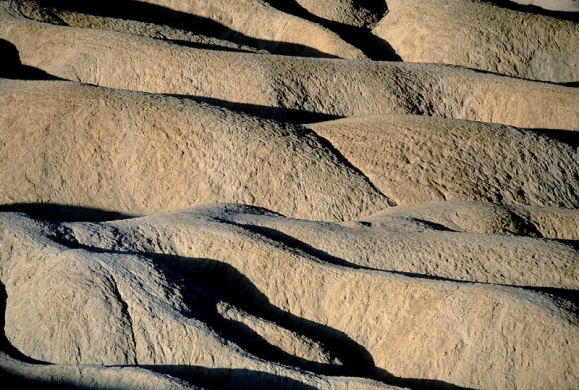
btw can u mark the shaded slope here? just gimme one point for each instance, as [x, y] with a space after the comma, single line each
[410, 327]
[281, 28]
[195, 33]
[412, 242]
[124, 309]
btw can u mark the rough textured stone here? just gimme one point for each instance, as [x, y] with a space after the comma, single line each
[174, 290]
[138, 154]
[417, 159]
[194, 196]
[482, 35]
[300, 85]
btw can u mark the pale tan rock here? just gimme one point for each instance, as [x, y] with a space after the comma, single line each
[63, 16]
[483, 36]
[301, 85]
[282, 33]
[138, 154]
[92, 307]
[416, 329]
[446, 290]
[418, 159]
[489, 218]
[553, 5]
[441, 240]
[360, 13]
[69, 376]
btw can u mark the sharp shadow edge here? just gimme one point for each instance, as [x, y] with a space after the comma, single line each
[64, 213]
[564, 296]
[280, 114]
[294, 243]
[568, 137]
[232, 286]
[12, 68]
[156, 14]
[571, 84]
[20, 382]
[228, 378]
[236, 288]
[533, 9]
[371, 45]
[208, 46]
[329, 146]
[224, 282]
[6, 347]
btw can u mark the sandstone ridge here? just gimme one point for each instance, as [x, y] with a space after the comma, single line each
[267, 194]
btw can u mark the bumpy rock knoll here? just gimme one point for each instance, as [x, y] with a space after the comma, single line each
[306, 85]
[138, 154]
[234, 194]
[482, 35]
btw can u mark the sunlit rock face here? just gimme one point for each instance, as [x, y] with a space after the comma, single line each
[553, 5]
[251, 194]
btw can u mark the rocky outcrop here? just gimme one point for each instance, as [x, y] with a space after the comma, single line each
[481, 35]
[243, 194]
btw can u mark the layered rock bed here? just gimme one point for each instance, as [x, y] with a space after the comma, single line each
[252, 194]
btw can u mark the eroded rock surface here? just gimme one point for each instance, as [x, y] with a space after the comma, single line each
[171, 290]
[481, 35]
[244, 194]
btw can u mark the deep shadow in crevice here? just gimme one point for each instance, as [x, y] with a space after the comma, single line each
[243, 379]
[19, 382]
[229, 378]
[207, 282]
[208, 46]
[566, 299]
[280, 114]
[227, 283]
[156, 14]
[294, 243]
[64, 213]
[15, 380]
[12, 68]
[223, 282]
[568, 137]
[569, 299]
[572, 243]
[5, 345]
[371, 45]
[572, 84]
[427, 384]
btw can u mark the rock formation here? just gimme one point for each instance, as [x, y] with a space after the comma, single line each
[239, 194]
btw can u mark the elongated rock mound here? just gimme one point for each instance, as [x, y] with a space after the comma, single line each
[419, 159]
[274, 85]
[554, 5]
[245, 194]
[457, 31]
